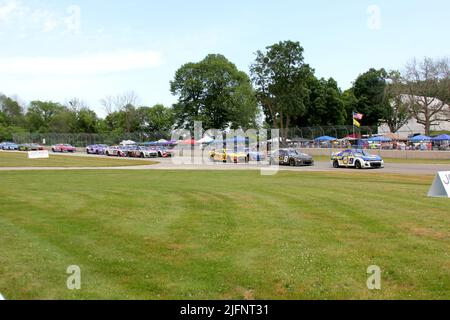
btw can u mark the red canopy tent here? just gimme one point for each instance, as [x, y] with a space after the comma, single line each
[189, 142]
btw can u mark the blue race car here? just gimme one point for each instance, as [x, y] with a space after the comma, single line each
[9, 146]
[96, 149]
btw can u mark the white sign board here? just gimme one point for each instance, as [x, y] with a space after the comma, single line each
[38, 154]
[441, 185]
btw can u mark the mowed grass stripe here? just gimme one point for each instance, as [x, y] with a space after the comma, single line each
[221, 235]
[18, 159]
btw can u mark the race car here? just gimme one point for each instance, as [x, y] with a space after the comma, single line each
[64, 148]
[30, 147]
[142, 152]
[226, 155]
[290, 157]
[163, 152]
[358, 159]
[9, 146]
[116, 151]
[96, 149]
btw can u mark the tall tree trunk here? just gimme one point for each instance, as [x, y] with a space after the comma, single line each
[427, 127]
[286, 129]
[281, 125]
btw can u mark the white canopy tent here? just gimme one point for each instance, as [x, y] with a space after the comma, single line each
[127, 143]
[206, 139]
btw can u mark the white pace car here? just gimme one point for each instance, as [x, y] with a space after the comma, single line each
[358, 159]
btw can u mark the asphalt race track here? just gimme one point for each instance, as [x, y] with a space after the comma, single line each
[320, 166]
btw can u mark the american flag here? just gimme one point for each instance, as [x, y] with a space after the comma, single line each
[357, 116]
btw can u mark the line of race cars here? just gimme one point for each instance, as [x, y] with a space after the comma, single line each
[20, 147]
[351, 158]
[133, 151]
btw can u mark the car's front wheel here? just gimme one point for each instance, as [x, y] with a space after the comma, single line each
[292, 163]
[358, 165]
[335, 164]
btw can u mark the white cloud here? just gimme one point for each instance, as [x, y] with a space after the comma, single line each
[374, 19]
[8, 11]
[82, 65]
[15, 15]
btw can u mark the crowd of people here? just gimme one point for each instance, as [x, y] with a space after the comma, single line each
[365, 144]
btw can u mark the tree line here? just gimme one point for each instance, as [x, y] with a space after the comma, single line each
[281, 91]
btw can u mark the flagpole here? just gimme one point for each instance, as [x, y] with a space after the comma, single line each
[353, 125]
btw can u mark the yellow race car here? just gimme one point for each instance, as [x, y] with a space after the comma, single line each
[230, 156]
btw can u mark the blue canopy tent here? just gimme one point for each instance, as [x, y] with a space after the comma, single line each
[153, 143]
[159, 143]
[379, 139]
[324, 139]
[420, 138]
[442, 137]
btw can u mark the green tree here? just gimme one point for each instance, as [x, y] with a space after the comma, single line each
[398, 113]
[369, 89]
[40, 115]
[12, 111]
[86, 121]
[326, 106]
[281, 80]
[125, 120]
[156, 119]
[427, 85]
[215, 92]
[63, 121]
[350, 105]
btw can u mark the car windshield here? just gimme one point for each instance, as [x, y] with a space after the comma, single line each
[361, 153]
[293, 152]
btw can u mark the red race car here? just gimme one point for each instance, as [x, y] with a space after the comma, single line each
[64, 148]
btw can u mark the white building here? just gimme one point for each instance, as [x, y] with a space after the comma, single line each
[412, 127]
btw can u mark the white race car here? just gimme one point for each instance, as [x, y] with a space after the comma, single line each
[358, 159]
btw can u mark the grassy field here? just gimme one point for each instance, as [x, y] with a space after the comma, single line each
[18, 159]
[221, 235]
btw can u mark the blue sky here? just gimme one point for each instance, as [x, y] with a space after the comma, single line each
[58, 49]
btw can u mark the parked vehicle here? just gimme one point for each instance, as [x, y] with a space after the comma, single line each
[142, 152]
[115, 151]
[64, 148]
[163, 152]
[9, 146]
[358, 159]
[96, 149]
[226, 155]
[291, 157]
[30, 147]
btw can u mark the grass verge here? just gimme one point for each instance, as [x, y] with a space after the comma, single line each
[17, 159]
[221, 235]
